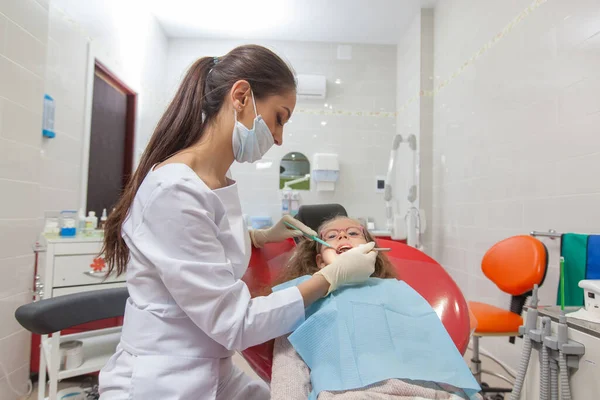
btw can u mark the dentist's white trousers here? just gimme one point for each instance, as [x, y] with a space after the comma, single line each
[119, 376]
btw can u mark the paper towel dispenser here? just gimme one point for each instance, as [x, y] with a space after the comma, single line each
[326, 171]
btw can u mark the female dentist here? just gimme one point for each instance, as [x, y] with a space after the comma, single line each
[178, 232]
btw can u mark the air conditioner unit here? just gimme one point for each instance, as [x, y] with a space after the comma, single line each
[312, 86]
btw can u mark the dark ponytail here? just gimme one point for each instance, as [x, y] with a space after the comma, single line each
[197, 102]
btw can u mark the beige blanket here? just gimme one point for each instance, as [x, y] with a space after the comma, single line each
[290, 380]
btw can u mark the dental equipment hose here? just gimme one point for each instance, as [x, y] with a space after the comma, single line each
[544, 384]
[565, 389]
[530, 323]
[553, 381]
[516, 392]
[545, 373]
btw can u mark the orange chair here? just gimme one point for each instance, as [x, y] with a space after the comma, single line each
[515, 265]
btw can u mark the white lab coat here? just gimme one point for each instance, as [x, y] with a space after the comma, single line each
[188, 309]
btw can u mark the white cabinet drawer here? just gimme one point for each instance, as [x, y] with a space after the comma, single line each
[78, 289]
[77, 270]
[61, 249]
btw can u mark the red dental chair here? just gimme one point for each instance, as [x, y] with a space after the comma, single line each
[417, 269]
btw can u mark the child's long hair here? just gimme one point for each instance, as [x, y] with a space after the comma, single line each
[303, 261]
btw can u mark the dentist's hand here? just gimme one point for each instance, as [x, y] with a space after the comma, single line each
[353, 266]
[279, 232]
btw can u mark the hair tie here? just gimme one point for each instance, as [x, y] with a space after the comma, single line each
[215, 60]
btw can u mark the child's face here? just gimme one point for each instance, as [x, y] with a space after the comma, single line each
[343, 234]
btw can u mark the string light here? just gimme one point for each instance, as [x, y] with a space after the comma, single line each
[432, 93]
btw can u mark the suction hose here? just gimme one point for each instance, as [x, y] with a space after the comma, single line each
[516, 392]
[565, 389]
[530, 323]
[554, 382]
[545, 373]
[564, 348]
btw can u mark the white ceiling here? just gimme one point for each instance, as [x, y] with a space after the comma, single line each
[349, 21]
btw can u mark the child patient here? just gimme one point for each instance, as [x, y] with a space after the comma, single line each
[317, 338]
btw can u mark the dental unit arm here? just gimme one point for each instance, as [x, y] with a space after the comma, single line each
[387, 196]
[288, 184]
[392, 207]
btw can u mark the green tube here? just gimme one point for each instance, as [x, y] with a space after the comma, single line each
[562, 283]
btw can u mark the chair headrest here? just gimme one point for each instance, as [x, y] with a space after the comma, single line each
[314, 215]
[515, 264]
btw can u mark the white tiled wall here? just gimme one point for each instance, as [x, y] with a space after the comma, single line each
[66, 69]
[127, 39]
[132, 45]
[368, 82]
[23, 45]
[45, 50]
[516, 136]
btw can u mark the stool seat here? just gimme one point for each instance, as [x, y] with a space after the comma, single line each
[492, 320]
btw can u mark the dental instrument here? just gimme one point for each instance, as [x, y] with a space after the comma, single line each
[324, 243]
[311, 237]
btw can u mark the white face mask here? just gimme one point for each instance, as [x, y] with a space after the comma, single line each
[250, 145]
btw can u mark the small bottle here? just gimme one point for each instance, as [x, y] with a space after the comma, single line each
[295, 203]
[91, 223]
[103, 219]
[80, 222]
[285, 201]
